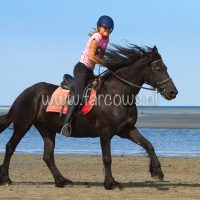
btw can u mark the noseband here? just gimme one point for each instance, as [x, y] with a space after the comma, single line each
[158, 84]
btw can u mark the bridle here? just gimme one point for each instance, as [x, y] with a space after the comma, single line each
[158, 84]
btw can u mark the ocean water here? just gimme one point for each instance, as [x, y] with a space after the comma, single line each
[167, 142]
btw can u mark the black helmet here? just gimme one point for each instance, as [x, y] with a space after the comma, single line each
[106, 22]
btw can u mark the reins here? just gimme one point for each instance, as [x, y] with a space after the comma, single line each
[131, 84]
[135, 85]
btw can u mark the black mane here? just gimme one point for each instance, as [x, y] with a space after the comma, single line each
[119, 56]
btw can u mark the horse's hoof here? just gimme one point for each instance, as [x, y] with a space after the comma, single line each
[156, 173]
[63, 183]
[69, 182]
[5, 183]
[159, 177]
[117, 185]
[113, 185]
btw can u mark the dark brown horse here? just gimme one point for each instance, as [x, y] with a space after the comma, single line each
[130, 68]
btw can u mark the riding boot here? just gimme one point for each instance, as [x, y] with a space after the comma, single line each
[66, 129]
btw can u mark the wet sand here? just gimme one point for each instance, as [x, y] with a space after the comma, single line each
[32, 179]
[173, 117]
[162, 117]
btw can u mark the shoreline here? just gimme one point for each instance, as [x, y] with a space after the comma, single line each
[99, 155]
[94, 155]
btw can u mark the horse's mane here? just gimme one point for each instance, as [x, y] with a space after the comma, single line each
[118, 56]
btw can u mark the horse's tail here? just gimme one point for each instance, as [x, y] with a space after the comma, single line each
[6, 120]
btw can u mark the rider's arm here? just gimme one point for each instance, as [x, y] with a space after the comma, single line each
[92, 54]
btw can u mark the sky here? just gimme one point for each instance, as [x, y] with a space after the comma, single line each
[41, 40]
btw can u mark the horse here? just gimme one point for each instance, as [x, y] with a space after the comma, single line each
[129, 67]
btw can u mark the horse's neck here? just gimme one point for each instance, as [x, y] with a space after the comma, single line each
[133, 73]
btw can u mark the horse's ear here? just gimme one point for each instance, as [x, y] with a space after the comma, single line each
[154, 51]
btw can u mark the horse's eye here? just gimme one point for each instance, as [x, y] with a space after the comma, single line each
[159, 69]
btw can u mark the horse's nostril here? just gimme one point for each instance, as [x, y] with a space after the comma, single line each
[173, 93]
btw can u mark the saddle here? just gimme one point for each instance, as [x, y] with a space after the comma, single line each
[68, 83]
[63, 95]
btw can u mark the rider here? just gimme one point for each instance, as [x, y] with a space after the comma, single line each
[83, 71]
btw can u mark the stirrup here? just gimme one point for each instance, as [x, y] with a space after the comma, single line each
[66, 130]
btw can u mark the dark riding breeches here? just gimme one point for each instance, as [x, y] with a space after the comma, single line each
[82, 75]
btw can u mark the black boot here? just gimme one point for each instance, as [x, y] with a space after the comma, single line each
[66, 129]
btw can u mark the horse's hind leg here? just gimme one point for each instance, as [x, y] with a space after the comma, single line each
[154, 167]
[10, 148]
[48, 157]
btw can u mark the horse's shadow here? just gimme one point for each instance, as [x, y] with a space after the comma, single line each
[164, 185]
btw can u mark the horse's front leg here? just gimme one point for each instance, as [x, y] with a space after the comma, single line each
[154, 167]
[109, 182]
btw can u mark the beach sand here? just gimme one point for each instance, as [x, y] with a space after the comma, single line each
[32, 179]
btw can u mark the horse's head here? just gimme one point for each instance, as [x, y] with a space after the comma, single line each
[158, 77]
[154, 73]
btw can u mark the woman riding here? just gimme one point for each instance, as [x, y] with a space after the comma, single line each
[83, 71]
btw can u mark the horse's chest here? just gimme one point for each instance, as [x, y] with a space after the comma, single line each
[118, 120]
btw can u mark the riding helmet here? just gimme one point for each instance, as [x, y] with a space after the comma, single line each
[106, 22]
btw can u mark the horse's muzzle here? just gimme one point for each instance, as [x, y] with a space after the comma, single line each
[168, 94]
[173, 94]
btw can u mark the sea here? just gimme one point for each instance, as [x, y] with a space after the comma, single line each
[167, 143]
